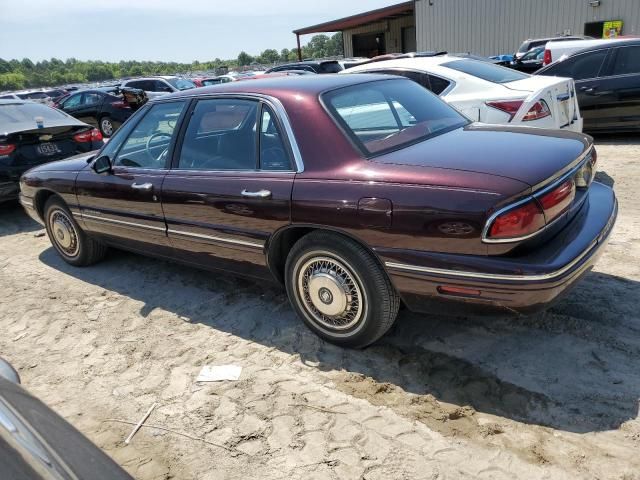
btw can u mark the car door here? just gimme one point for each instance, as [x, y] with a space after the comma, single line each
[89, 107]
[230, 186]
[124, 204]
[585, 69]
[619, 91]
[72, 104]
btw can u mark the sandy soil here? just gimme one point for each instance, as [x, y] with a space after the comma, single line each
[550, 396]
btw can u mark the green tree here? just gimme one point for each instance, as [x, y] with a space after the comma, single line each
[12, 81]
[244, 59]
[270, 56]
[335, 45]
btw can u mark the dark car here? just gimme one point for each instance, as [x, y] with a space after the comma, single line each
[37, 444]
[102, 108]
[541, 42]
[355, 191]
[530, 61]
[313, 66]
[607, 80]
[32, 134]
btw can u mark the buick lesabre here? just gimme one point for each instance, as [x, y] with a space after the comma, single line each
[359, 193]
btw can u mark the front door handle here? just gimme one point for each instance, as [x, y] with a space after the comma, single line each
[588, 89]
[258, 194]
[142, 186]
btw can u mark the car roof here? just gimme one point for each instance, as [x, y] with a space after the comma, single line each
[615, 42]
[304, 84]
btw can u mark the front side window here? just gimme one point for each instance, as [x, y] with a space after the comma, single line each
[390, 114]
[627, 61]
[486, 71]
[221, 135]
[148, 144]
[580, 67]
[73, 101]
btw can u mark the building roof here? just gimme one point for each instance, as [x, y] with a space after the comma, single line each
[386, 13]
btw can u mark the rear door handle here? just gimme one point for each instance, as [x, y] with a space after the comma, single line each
[258, 194]
[142, 186]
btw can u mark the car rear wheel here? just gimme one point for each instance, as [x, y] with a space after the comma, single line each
[107, 126]
[339, 290]
[73, 245]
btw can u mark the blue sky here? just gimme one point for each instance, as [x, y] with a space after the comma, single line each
[167, 30]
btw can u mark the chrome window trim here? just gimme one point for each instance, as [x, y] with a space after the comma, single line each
[485, 230]
[215, 239]
[273, 102]
[86, 216]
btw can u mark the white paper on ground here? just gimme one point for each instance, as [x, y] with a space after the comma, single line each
[217, 373]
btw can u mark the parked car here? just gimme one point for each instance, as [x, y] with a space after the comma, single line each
[363, 191]
[38, 444]
[32, 134]
[158, 86]
[607, 78]
[102, 108]
[55, 94]
[489, 93]
[206, 82]
[314, 66]
[555, 50]
[538, 42]
[530, 61]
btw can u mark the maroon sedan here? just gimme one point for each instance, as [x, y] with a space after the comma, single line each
[357, 192]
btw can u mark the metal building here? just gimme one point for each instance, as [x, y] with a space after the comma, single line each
[491, 27]
[484, 27]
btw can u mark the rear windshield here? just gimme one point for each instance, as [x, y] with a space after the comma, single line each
[390, 114]
[330, 67]
[181, 83]
[486, 71]
[27, 112]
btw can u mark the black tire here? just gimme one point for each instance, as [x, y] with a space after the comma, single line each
[344, 277]
[107, 126]
[72, 244]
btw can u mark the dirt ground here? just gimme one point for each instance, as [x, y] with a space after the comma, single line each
[550, 396]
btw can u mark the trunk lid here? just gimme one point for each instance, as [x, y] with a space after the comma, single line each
[557, 92]
[531, 156]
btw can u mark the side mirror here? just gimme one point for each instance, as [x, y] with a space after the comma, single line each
[102, 164]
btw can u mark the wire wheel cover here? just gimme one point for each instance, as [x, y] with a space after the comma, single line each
[64, 233]
[330, 293]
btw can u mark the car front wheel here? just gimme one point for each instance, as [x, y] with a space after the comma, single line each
[107, 126]
[73, 245]
[340, 291]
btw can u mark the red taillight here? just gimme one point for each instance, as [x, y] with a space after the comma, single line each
[508, 106]
[558, 200]
[519, 222]
[546, 60]
[6, 149]
[120, 104]
[88, 136]
[539, 110]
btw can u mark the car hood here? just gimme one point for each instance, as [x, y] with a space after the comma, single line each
[528, 155]
[71, 164]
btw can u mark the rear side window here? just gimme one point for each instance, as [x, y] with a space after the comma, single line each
[390, 114]
[580, 67]
[627, 61]
[221, 136]
[438, 84]
[486, 71]
[431, 82]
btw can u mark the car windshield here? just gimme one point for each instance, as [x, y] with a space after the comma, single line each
[27, 112]
[390, 114]
[486, 71]
[535, 54]
[181, 83]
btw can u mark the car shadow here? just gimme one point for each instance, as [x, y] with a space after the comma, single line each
[571, 368]
[14, 220]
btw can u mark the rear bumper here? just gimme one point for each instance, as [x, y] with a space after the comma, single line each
[522, 284]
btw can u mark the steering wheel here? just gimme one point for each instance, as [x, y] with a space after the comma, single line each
[150, 140]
